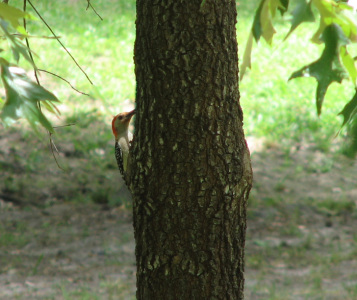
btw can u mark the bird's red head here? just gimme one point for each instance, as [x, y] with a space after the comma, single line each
[121, 121]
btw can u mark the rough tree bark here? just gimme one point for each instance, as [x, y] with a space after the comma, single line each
[191, 172]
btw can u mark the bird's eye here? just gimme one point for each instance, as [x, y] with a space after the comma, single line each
[120, 117]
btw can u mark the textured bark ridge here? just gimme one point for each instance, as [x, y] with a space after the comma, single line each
[191, 171]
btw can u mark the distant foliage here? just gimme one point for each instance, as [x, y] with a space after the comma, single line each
[337, 31]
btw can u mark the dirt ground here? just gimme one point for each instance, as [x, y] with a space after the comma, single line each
[301, 238]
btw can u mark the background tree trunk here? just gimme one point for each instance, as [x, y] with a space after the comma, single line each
[191, 171]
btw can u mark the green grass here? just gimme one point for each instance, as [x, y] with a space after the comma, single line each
[107, 289]
[14, 237]
[336, 207]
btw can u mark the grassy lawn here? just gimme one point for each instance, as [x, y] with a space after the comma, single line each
[298, 241]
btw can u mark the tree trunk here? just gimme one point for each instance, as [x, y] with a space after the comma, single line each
[191, 172]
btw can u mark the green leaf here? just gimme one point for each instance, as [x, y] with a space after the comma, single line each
[51, 107]
[14, 16]
[16, 46]
[349, 110]
[257, 27]
[348, 63]
[247, 56]
[23, 97]
[347, 20]
[327, 68]
[338, 13]
[267, 13]
[262, 26]
[301, 13]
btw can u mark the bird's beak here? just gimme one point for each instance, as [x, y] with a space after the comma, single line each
[131, 113]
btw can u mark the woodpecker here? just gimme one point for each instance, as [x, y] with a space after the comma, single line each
[120, 127]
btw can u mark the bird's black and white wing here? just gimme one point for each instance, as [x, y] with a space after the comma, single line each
[119, 158]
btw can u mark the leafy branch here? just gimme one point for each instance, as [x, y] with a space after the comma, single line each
[25, 98]
[337, 30]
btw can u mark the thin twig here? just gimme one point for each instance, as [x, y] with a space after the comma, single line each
[33, 61]
[60, 77]
[66, 125]
[29, 49]
[53, 149]
[53, 146]
[91, 6]
[58, 40]
[35, 36]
